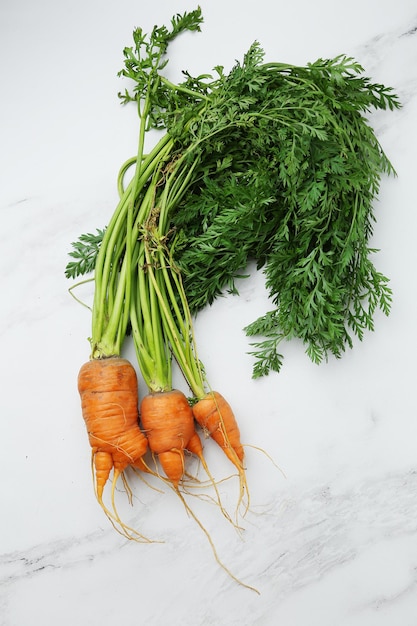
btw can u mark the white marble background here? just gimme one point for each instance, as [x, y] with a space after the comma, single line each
[334, 543]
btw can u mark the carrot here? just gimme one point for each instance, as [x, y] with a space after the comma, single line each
[215, 416]
[109, 398]
[167, 419]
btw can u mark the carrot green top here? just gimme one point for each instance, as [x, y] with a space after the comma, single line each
[271, 162]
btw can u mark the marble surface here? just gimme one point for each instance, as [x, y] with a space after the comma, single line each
[331, 538]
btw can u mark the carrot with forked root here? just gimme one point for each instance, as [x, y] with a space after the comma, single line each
[109, 400]
[168, 421]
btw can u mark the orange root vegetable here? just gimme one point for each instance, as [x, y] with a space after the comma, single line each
[196, 447]
[103, 465]
[215, 416]
[109, 399]
[168, 421]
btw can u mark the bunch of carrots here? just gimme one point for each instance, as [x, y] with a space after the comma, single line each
[138, 285]
[138, 290]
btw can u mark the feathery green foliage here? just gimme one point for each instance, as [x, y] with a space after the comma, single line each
[274, 163]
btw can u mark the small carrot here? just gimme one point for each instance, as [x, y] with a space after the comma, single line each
[109, 398]
[167, 419]
[215, 416]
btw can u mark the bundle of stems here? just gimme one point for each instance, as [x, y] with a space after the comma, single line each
[162, 328]
[272, 162]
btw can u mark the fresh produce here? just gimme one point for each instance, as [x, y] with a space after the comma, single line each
[168, 422]
[215, 416]
[300, 169]
[109, 400]
[272, 163]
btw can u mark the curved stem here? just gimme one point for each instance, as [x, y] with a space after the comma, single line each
[182, 89]
[122, 173]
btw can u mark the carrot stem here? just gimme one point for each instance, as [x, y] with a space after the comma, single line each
[113, 269]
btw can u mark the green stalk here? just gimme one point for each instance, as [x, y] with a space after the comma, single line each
[179, 342]
[159, 314]
[180, 330]
[151, 348]
[183, 89]
[113, 286]
[145, 358]
[163, 302]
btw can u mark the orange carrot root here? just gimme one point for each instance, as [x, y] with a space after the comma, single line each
[215, 416]
[168, 421]
[109, 399]
[103, 465]
[172, 462]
